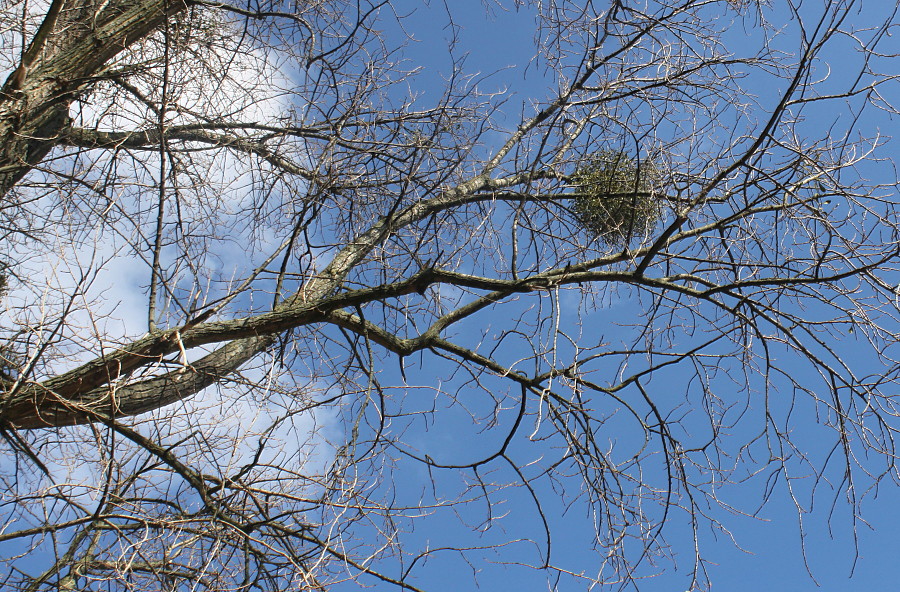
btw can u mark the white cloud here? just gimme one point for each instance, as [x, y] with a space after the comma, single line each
[89, 264]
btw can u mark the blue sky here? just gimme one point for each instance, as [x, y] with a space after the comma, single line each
[500, 53]
[775, 556]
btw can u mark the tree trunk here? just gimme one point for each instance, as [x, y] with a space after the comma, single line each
[71, 47]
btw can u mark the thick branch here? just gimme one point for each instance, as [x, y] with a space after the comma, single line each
[150, 139]
[35, 99]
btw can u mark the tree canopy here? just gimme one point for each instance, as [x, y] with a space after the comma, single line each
[324, 294]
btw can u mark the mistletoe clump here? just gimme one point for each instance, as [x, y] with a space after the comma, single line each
[616, 198]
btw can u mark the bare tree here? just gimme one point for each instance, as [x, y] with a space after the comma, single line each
[278, 320]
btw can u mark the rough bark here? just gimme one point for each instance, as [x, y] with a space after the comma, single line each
[94, 391]
[70, 49]
[76, 41]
